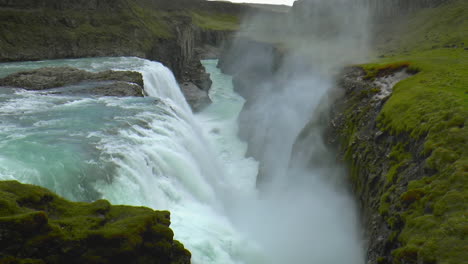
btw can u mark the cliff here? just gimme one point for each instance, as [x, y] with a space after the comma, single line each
[37, 226]
[176, 33]
[406, 145]
[400, 126]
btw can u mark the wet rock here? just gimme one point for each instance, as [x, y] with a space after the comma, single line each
[380, 165]
[196, 97]
[107, 83]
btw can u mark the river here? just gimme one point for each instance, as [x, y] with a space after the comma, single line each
[153, 151]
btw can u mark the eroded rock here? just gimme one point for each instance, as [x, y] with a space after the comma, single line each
[196, 97]
[106, 83]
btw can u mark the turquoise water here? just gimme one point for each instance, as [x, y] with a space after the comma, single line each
[149, 151]
[153, 151]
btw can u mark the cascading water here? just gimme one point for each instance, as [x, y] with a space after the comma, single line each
[154, 152]
[147, 151]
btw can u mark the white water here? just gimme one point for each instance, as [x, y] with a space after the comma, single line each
[135, 151]
[154, 152]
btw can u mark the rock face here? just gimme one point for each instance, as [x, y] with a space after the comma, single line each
[252, 65]
[410, 180]
[375, 157]
[37, 226]
[195, 97]
[177, 33]
[107, 83]
[403, 193]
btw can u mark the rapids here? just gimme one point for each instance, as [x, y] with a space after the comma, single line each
[153, 151]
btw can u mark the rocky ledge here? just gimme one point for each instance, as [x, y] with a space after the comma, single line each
[106, 83]
[374, 156]
[196, 97]
[37, 226]
[177, 33]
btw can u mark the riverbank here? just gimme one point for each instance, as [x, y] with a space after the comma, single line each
[407, 151]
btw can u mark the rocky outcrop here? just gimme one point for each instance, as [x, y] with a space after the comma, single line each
[107, 83]
[410, 203]
[37, 226]
[375, 158]
[252, 64]
[196, 98]
[177, 33]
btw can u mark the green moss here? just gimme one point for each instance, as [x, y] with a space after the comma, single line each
[399, 158]
[369, 92]
[430, 107]
[385, 200]
[412, 196]
[14, 260]
[405, 255]
[381, 260]
[36, 219]
[151, 19]
[380, 70]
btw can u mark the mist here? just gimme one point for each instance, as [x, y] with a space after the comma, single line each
[286, 66]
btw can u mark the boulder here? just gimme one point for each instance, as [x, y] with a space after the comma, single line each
[196, 97]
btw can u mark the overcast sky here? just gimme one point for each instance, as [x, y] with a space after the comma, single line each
[276, 2]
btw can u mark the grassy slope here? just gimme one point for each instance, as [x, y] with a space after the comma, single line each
[433, 105]
[36, 29]
[135, 27]
[213, 21]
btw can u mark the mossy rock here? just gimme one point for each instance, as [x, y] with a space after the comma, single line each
[37, 226]
[408, 154]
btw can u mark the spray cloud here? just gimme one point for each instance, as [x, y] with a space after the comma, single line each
[285, 65]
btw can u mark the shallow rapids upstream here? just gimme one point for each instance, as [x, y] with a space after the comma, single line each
[152, 151]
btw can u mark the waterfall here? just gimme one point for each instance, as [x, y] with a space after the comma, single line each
[153, 151]
[149, 151]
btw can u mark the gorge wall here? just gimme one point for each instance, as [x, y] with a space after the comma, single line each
[403, 142]
[172, 32]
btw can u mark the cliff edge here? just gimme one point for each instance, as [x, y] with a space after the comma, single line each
[37, 226]
[406, 143]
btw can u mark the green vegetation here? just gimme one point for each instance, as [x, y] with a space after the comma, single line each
[374, 71]
[37, 224]
[432, 28]
[133, 28]
[36, 33]
[213, 21]
[431, 106]
[399, 157]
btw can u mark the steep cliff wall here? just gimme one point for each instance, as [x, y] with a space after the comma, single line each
[405, 145]
[173, 32]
